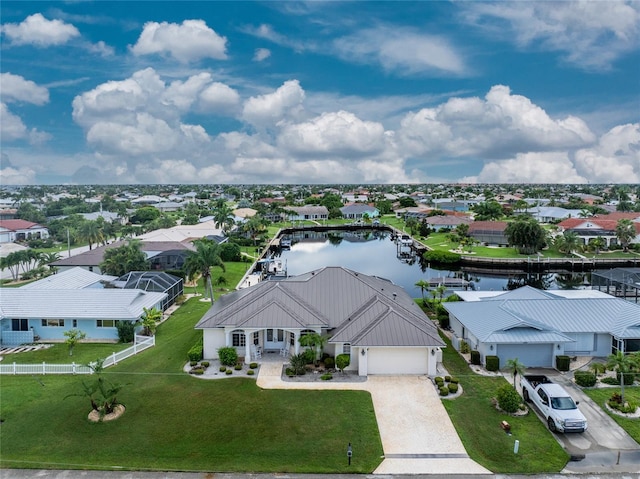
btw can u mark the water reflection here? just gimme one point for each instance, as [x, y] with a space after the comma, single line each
[375, 253]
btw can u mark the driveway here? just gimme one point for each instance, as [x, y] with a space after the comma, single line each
[605, 446]
[416, 432]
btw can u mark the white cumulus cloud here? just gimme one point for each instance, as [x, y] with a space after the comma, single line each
[616, 157]
[261, 54]
[190, 41]
[17, 88]
[219, 97]
[37, 30]
[11, 127]
[286, 103]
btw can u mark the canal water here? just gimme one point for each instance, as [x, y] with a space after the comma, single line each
[375, 253]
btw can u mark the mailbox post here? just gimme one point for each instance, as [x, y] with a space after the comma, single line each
[349, 453]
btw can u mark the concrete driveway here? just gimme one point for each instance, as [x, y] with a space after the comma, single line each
[416, 432]
[605, 446]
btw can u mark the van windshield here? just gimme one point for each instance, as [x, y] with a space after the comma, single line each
[563, 403]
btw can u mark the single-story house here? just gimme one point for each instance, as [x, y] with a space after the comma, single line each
[535, 326]
[21, 230]
[357, 211]
[309, 212]
[373, 320]
[439, 222]
[600, 226]
[72, 278]
[489, 232]
[549, 214]
[27, 314]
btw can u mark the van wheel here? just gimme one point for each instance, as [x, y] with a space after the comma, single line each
[525, 395]
[552, 425]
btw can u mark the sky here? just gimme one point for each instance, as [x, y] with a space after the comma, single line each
[240, 92]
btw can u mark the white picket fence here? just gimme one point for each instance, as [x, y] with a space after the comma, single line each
[140, 343]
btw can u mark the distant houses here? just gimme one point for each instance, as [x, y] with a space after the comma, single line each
[21, 230]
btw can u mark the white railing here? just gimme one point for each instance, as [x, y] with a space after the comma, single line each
[140, 344]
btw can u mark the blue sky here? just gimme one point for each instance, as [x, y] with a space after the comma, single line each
[320, 92]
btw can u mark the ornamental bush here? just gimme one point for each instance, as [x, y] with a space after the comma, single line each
[329, 362]
[343, 361]
[464, 347]
[228, 356]
[453, 388]
[238, 367]
[492, 363]
[326, 377]
[563, 362]
[475, 357]
[585, 379]
[444, 391]
[250, 372]
[508, 398]
[253, 365]
[196, 352]
[229, 371]
[205, 364]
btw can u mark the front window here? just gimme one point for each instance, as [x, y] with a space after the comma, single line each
[256, 338]
[238, 339]
[346, 348]
[55, 323]
[106, 323]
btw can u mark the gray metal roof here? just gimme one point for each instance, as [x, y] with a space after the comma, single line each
[559, 315]
[362, 310]
[74, 278]
[90, 303]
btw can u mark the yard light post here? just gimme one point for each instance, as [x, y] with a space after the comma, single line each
[349, 453]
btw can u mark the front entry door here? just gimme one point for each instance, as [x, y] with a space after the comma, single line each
[275, 339]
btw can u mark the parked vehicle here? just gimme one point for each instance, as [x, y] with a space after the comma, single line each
[554, 402]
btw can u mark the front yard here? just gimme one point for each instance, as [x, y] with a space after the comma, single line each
[631, 393]
[177, 422]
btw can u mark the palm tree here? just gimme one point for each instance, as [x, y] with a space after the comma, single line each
[223, 216]
[150, 320]
[90, 232]
[597, 244]
[515, 367]
[622, 364]
[625, 232]
[423, 285]
[200, 261]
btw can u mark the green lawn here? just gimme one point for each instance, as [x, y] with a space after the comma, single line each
[58, 353]
[178, 422]
[478, 424]
[601, 395]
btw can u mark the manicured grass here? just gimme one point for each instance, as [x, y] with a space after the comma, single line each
[478, 424]
[178, 422]
[83, 353]
[631, 393]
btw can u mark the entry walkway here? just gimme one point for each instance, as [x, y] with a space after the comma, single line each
[416, 432]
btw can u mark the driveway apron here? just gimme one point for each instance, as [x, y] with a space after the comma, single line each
[416, 432]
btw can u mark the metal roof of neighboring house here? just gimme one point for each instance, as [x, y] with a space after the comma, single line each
[553, 314]
[358, 208]
[309, 210]
[90, 303]
[74, 278]
[182, 233]
[525, 293]
[363, 310]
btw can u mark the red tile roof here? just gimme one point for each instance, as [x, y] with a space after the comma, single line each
[14, 225]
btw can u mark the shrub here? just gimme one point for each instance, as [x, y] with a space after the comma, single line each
[329, 362]
[126, 331]
[444, 321]
[228, 356]
[289, 372]
[454, 380]
[250, 372]
[197, 371]
[205, 364]
[253, 365]
[508, 398]
[615, 402]
[610, 381]
[585, 379]
[629, 378]
[298, 363]
[464, 347]
[222, 369]
[238, 367]
[343, 361]
[444, 391]
[196, 352]
[492, 363]
[562, 362]
[475, 357]
[193, 363]
[326, 377]
[447, 379]
[230, 252]
[441, 257]
[453, 388]
[309, 356]
[229, 372]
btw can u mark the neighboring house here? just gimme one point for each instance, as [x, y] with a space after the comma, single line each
[168, 206]
[147, 200]
[453, 205]
[30, 313]
[600, 226]
[535, 326]
[155, 281]
[489, 232]
[73, 278]
[370, 318]
[108, 216]
[300, 213]
[182, 233]
[8, 213]
[549, 214]
[438, 222]
[357, 211]
[21, 230]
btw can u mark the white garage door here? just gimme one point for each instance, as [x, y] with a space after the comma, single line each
[397, 361]
[531, 355]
